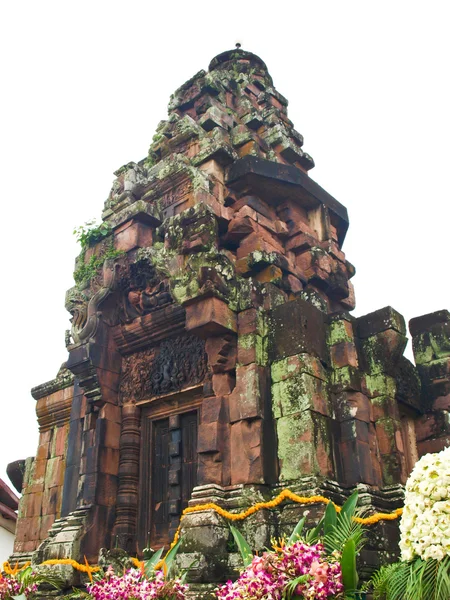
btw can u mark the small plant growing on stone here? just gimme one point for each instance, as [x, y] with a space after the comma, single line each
[90, 233]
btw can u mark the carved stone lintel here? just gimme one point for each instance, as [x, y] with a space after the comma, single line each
[180, 362]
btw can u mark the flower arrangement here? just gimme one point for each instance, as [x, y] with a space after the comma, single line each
[23, 582]
[424, 571]
[296, 570]
[425, 524]
[318, 565]
[10, 587]
[133, 584]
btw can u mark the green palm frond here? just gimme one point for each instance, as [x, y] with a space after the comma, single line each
[415, 580]
[30, 576]
[345, 529]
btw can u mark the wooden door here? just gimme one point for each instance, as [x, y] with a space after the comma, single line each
[160, 482]
[173, 473]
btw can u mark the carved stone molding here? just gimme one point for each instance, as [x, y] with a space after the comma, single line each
[149, 329]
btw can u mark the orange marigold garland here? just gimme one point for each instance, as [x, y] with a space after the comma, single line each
[282, 496]
[14, 570]
[86, 568]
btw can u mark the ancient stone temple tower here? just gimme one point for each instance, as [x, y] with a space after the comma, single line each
[213, 356]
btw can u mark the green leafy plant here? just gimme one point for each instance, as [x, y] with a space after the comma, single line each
[90, 233]
[86, 271]
[243, 546]
[344, 536]
[414, 580]
[24, 583]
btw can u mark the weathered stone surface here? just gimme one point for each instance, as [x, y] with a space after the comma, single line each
[297, 327]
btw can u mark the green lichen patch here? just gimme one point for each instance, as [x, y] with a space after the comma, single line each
[299, 363]
[339, 331]
[381, 385]
[298, 393]
[303, 447]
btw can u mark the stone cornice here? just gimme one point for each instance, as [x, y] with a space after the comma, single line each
[63, 380]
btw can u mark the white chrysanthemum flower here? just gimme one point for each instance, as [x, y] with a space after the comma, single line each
[425, 523]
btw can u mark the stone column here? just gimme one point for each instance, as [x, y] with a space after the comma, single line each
[124, 532]
[431, 344]
[383, 339]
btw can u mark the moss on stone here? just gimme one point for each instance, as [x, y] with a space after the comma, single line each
[381, 385]
[337, 333]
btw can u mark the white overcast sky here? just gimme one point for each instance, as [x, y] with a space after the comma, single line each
[84, 84]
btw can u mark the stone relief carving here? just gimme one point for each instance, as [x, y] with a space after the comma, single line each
[180, 362]
[144, 291]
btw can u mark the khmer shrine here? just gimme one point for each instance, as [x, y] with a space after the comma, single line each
[213, 356]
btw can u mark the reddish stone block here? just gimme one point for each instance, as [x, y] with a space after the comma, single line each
[247, 399]
[433, 445]
[294, 284]
[221, 351]
[55, 472]
[246, 452]
[213, 409]
[106, 489]
[388, 440]
[32, 530]
[442, 403]
[350, 301]
[269, 274]
[262, 241]
[30, 546]
[111, 412]
[39, 470]
[385, 406]
[109, 460]
[209, 316]
[344, 354]
[61, 435]
[209, 437]
[240, 227]
[211, 469]
[432, 425]
[353, 405]
[112, 434]
[302, 241]
[43, 451]
[132, 234]
[51, 501]
[223, 383]
[34, 505]
[35, 487]
[45, 437]
[247, 321]
[46, 524]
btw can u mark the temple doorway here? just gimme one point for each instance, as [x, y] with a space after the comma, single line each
[168, 476]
